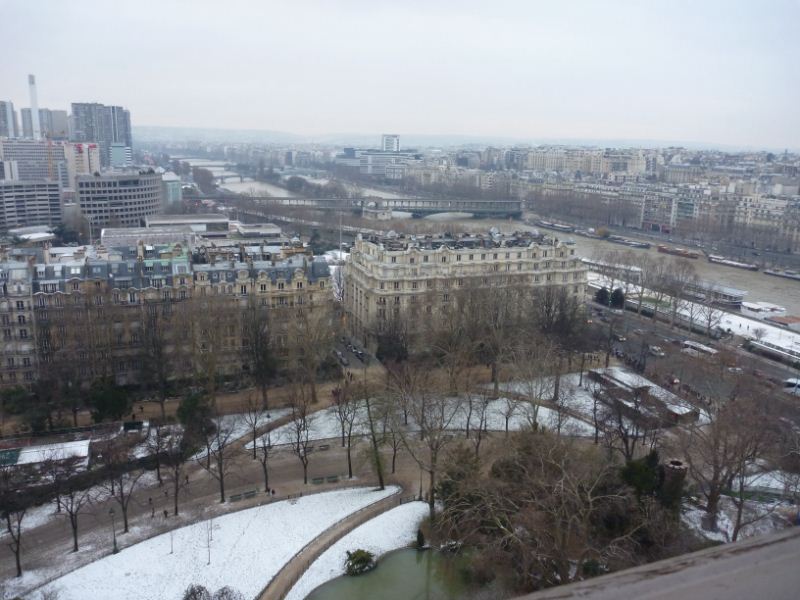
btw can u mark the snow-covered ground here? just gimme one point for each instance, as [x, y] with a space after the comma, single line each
[772, 520]
[247, 549]
[393, 529]
[324, 425]
[78, 450]
[234, 427]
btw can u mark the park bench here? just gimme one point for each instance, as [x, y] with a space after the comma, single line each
[234, 498]
[318, 480]
[333, 478]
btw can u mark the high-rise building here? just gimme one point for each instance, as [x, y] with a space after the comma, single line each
[390, 142]
[9, 170]
[82, 159]
[8, 120]
[106, 125]
[36, 159]
[120, 199]
[53, 123]
[36, 126]
[24, 203]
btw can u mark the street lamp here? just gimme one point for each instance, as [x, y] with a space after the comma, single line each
[113, 529]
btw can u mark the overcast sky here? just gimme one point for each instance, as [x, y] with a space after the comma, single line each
[717, 72]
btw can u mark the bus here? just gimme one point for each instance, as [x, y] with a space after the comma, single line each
[697, 348]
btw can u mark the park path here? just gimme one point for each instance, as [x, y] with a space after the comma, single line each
[280, 585]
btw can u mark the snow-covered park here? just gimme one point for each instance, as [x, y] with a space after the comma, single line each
[393, 529]
[243, 550]
[324, 424]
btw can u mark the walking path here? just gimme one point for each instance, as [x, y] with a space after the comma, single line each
[292, 571]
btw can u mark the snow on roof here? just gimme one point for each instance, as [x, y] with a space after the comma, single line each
[38, 454]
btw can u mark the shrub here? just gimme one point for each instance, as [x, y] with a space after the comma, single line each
[359, 561]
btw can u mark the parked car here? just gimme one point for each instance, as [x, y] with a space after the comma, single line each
[620, 338]
[657, 351]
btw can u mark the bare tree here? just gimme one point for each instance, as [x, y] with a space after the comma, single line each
[299, 426]
[711, 316]
[433, 413]
[175, 456]
[254, 416]
[258, 347]
[122, 479]
[346, 410]
[264, 445]
[220, 448]
[14, 503]
[75, 502]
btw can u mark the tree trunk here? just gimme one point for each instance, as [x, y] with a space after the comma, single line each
[305, 473]
[394, 459]
[431, 487]
[266, 475]
[73, 520]
[124, 506]
[264, 397]
[221, 488]
[349, 461]
[175, 490]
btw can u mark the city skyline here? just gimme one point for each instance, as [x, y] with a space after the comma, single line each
[508, 71]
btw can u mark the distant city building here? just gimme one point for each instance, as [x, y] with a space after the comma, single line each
[9, 126]
[9, 170]
[119, 199]
[120, 156]
[26, 203]
[36, 159]
[173, 189]
[82, 159]
[390, 142]
[54, 124]
[106, 125]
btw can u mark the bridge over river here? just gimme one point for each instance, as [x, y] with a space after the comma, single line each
[417, 206]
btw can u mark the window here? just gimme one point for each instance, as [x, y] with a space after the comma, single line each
[382, 285]
[394, 259]
[299, 285]
[21, 319]
[494, 256]
[263, 287]
[243, 290]
[26, 362]
[444, 259]
[23, 334]
[412, 260]
[471, 256]
[424, 259]
[397, 285]
[458, 258]
[5, 320]
[483, 256]
[182, 295]
[397, 299]
[280, 286]
[20, 305]
[413, 285]
[76, 286]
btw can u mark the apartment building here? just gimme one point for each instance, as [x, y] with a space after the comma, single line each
[417, 276]
[85, 313]
[25, 203]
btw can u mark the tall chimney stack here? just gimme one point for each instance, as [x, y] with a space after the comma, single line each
[37, 129]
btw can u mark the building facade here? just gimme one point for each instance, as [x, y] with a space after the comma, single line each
[418, 277]
[25, 202]
[119, 199]
[105, 125]
[9, 126]
[100, 314]
[36, 159]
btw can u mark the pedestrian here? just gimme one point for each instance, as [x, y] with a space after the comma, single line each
[166, 514]
[273, 492]
[152, 507]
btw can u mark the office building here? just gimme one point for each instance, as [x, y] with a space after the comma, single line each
[173, 189]
[419, 277]
[54, 124]
[8, 120]
[105, 125]
[119, 199]
[9, 170]
[82, 159]
[26, 203]
[390, 143]
[36, 159]
[120, 156]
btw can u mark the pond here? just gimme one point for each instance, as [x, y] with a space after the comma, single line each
[402, 575]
